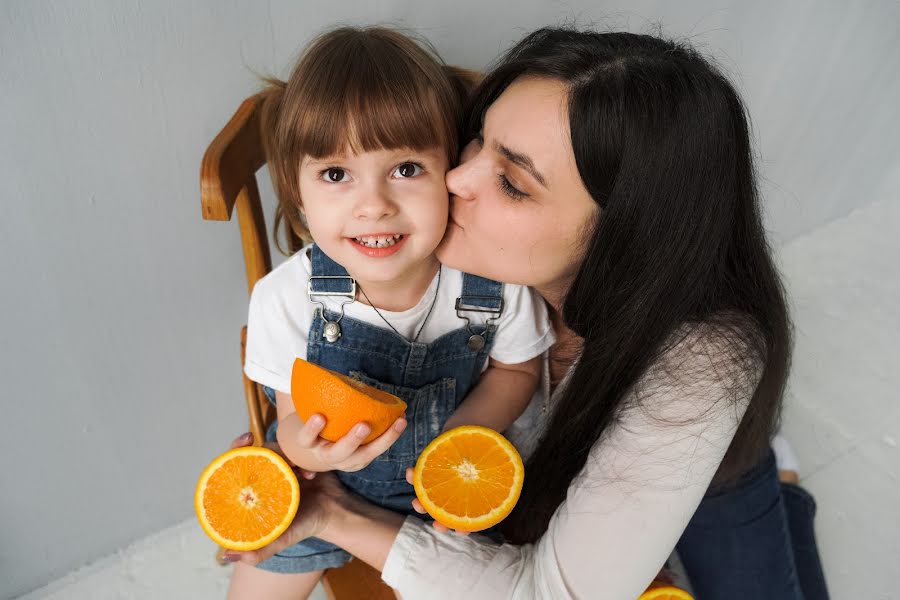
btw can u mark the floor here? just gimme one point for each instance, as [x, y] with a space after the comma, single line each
[842, 417]
[842, 414]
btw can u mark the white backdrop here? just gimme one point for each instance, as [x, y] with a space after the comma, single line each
[121, 307]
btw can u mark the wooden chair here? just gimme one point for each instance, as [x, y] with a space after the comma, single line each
[228, 179]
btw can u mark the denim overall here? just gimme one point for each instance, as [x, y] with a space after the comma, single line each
[431, 378]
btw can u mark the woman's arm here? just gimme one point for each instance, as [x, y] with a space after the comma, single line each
[624, 512]
[622, 517]
[366, 528]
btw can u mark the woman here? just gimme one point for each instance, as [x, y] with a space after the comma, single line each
[613, 173]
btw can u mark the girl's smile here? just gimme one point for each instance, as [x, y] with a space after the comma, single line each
[378, 245]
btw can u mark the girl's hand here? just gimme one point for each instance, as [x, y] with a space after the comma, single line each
[419, 508]
[347, 454]
[247, 440]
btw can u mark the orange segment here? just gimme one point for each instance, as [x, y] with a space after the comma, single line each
[469, 478]
[246, 498]
[344, 401]
[665, 592]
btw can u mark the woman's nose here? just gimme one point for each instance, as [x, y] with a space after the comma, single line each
[460, 180]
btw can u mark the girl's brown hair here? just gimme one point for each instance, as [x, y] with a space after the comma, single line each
[356, 90]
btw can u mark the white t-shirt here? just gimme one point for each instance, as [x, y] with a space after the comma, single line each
[281, 314]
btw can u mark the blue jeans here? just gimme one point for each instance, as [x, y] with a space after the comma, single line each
[755, 541]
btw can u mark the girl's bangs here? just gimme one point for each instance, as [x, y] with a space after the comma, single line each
[367, 114]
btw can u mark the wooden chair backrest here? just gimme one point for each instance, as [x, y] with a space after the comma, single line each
[228, 179]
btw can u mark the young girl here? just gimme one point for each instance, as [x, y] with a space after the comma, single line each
[358, 142]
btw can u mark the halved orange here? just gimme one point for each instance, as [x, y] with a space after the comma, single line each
[343, 401]
[469, 478]
[665, 592]
[246, 498]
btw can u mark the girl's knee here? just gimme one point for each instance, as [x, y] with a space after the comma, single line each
[250, 583]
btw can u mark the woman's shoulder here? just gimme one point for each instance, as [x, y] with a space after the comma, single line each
[728, 341]
[719, 357]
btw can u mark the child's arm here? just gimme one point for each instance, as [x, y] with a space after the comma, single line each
[288, 435]
[301, 442]
[501, 395]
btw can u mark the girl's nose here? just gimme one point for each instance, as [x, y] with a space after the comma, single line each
[374, 204]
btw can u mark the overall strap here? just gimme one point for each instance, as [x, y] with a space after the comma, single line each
[328, 277]
[480, 295]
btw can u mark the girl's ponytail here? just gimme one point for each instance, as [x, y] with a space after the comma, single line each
[288, 217]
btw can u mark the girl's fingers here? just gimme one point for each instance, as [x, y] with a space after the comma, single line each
[274, 447]
[417, 506]
[409, 476]
[340, 450]
[308, 435]
[379, 445]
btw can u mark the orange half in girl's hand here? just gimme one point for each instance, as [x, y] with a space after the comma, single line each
[343, 401]
[246, 498]
[469, 478]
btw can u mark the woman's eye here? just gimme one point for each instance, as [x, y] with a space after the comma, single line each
[509, 189]
[408, 169]
[334, 175]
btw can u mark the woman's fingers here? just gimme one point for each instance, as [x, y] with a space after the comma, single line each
[309, 433]
[417, 506]
[244, 439]
[440, 527]
[444, 529]
[319, 498]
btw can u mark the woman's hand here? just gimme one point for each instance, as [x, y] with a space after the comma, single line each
[319, 497]
[347, 454]
[419, 508]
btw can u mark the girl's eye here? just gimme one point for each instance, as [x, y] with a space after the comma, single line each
[509, 189]
[334, 175]
[408, 169]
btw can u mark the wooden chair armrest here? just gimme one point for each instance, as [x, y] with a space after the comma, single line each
[259, 410]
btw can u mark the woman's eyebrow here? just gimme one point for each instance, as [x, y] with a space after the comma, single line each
[523, 160]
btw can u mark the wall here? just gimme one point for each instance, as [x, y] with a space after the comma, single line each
[121, 308]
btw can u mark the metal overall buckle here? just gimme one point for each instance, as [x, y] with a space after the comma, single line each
[476, 340]
[332, 330]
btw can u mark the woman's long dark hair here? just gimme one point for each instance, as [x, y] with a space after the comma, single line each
[661, 142]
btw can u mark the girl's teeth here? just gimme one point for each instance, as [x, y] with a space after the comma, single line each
[379, 241]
